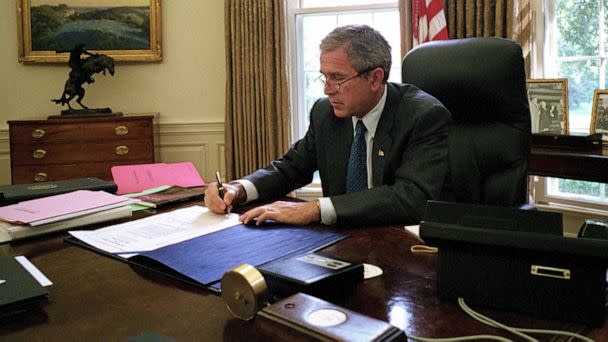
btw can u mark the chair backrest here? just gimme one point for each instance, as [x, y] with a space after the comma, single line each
[482, 83]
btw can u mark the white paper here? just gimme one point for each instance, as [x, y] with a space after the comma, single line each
[414, 230]
[147, 234]
[34, 271]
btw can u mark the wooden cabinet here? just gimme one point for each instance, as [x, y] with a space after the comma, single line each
[63, 148]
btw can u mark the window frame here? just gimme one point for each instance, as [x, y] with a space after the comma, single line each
[543, 42]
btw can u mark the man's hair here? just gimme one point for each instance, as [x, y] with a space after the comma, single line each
[366, 48]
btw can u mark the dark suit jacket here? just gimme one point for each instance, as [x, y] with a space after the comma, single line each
[409, 161]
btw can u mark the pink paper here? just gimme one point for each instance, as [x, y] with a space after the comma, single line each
[137, 178]
[53, 206]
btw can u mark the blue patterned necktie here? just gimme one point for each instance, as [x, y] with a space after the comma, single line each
[356, 175]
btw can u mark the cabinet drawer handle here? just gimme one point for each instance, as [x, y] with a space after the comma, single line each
[38, 133]
[121, 150]
[41, 177]
[551, 272]
[121, 130]
[39, 153]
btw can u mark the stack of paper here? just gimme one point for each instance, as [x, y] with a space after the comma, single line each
[59, 212]
[137, 178]
[171, 195]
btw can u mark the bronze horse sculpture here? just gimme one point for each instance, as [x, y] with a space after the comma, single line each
[82, 71]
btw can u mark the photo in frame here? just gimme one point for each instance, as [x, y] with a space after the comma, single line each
[125, 30]
[599, 114]
[548, 99]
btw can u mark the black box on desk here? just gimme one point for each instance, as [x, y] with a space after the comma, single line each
[515, 268]
[314, 274]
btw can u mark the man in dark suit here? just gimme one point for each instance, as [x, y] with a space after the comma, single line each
[404, 149]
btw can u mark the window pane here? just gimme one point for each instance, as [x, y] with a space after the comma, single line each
[334, 3]
[577, 23]
[314, 28]
[605, 9]
[576, 190]
[355, 18]
[313, 91]
[583, 79]
[385, 22]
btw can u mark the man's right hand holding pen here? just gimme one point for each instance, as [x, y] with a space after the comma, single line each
[221, 198]
[223, 201]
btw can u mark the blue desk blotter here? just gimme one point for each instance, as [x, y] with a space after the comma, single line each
[206, 258]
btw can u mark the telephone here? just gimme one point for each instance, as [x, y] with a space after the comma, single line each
[594, 229]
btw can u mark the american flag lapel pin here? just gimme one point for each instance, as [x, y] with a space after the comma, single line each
[380, 152]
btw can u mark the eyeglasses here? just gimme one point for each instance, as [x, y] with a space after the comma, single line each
[334, 85]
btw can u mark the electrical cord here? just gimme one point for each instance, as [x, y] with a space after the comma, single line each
[518, 331]
[423, 249]
[521, 332]
[461, 338]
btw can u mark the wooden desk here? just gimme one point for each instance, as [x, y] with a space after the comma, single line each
[568, 164]
[95, 297]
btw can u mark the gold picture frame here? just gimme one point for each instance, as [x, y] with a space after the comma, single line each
[548, 100]
[130, 33]
[599, 113]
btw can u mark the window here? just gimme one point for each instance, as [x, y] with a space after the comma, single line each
[571, 43]
[311, 20]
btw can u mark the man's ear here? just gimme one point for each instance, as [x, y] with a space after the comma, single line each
[377, 76]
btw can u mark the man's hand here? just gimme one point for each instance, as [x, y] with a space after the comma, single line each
[297, 213]
[234, 194]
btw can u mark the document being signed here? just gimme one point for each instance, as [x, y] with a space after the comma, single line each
[147, 234]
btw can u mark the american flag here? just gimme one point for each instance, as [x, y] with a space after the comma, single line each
[428, 21]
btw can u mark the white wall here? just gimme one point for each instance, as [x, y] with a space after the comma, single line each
[187, 87]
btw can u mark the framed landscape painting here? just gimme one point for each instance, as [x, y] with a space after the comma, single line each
[548, 99]
[126, 30]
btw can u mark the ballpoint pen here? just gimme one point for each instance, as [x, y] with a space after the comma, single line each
[220, 189]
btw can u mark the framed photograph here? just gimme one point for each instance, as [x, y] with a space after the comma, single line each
[126, 30]
[599, 114]
[548, 105]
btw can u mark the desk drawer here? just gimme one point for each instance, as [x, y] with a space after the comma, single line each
[132, 129]
[45, 133]
[89, 152]
[40, 173]
[42, 133]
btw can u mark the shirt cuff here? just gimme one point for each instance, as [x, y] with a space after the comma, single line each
[250, 190]
[328, 212]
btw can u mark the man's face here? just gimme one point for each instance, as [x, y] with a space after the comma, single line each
[354, 97]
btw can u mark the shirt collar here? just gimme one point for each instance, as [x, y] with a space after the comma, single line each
[370, 120]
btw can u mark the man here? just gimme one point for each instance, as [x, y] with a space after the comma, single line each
[534, 113]
[544, 124]
[602, 117]
[401, 141]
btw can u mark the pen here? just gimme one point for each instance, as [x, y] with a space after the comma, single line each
[220, 188]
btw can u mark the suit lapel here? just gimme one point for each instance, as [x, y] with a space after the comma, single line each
[382, 139]
[338, 149]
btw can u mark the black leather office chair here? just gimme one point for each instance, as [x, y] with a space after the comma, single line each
[482, 83]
